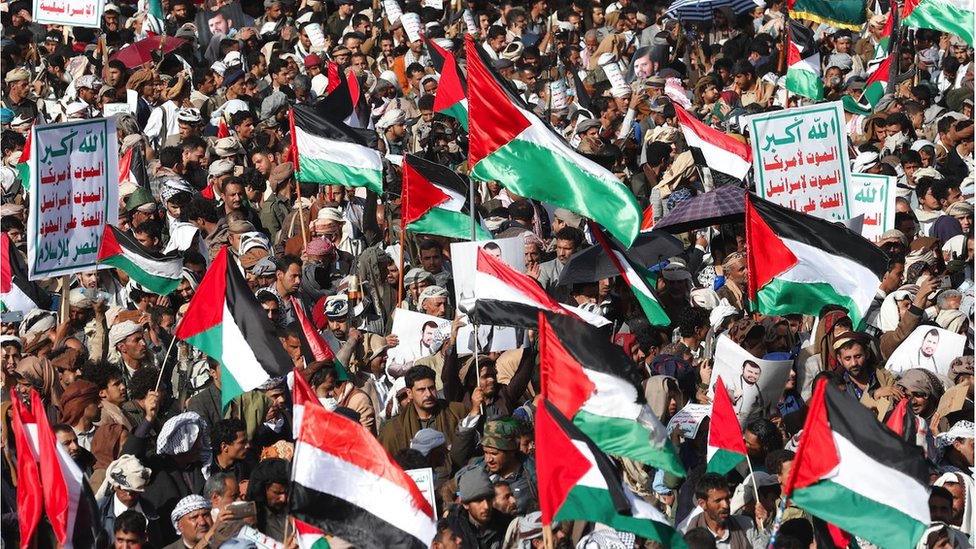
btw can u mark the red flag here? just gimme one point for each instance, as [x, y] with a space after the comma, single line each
[53, 472]
[125, 165]
[30, 499]
[320, 349]
[647, 222]
[222, 130]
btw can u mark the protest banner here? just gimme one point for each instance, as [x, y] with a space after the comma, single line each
[800, 159]
[874, 197]
[74, 193]
[76, 13]
[754, 384]
[928, 347]
[689, 419]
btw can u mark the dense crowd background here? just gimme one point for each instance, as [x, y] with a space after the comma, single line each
[167, 464]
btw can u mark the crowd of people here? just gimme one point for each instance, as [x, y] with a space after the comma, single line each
[170, 467]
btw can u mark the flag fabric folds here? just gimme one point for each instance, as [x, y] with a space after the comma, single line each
[579, 482]
[225, 321]
[846, 14]
[806, 262]
[803, 74]
[17, 292]
[158, 273]
[952, 16]
[344, 483]
[510, 144]
[594, 382]
[30, 497]
[722, 152]
[334, 153]
[638, 278]
[435, 201]
[726, 448]
[506, 297]
[452, 89]
[851, 471]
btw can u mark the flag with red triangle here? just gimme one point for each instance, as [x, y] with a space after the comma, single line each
[452, 89]
[435, 201]
[726, 448]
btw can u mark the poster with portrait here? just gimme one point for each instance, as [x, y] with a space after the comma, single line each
[928, 347]
[491, 339]
[416, 333]
[754, 384]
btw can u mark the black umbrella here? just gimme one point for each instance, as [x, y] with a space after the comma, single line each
[723, 205]
[593, 264]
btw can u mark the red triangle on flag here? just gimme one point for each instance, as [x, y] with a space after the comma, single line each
[724, 431]
[109, 245]
[817, 453]
[499, 121]
[419, 195]
[555, 452]
[125, 165]
[776, 257]
[564, 383]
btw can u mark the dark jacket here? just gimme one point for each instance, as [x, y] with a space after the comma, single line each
[106, 510]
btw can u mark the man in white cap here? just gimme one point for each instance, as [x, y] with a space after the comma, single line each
[125, 483]
[394, 131]
[433, 301]
[128, 339]
[192, 521]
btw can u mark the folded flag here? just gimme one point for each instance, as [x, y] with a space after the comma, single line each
[222, 130]
[579, 482]
[722, 152]
[851, 471]
[24, 164]
[310, 537]
[510, 144]
[803, 74]
[952, 16]
[452, 89]
[68, 500]
[434, 201]
[158, 273]
[344, 102]
[808, 262]
[314, 345]
[647, 221]
[225, 321]
[334, 153]
[506, 297]
[637, 278]
[846, 14]
[302, 395]
[594, 382]
[726, 448]
[874, 89]
[30, 498]
[344, 483]
[17, 292]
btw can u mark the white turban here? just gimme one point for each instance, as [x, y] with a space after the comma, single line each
[122, 330]
[391, 118]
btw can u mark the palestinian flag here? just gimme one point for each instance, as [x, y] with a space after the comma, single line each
[332, 153]
[452, 89]
[344, 102]
[874, 89]
[158, 273]
[506, 297]
[315, 344]
[594, 382]
[435, 201]
[808, 262]
[638, 278]
[722, 152]
[24, 164]
[302, 395]
[846, 14]
[30, 497]
[851, 471]
[952, 16]
[579, 482]
[17, 292]
[344, 483]
[726, 448]
[310, 537]
[225, 321]
[647, 221]
[68, 500]
[803, 74]
[510, 144]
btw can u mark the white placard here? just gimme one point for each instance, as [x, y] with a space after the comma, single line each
[469, 22]
[76, 13]
[928, 347]
[614, 75]
[800, 159]
[411, 26]
[74, 193]
[689, 419]
[111, 109]
[315, 35]
[873, 196]
[424, 479]
[754, 389]
[393, 11]
[557, 94]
